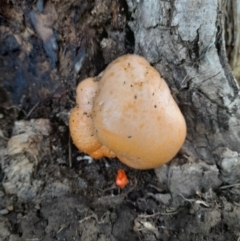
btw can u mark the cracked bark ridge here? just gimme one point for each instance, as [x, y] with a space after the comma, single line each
[188, 179]
[184, 42]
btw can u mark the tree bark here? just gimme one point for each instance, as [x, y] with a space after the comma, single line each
[184, 41]
[231, 23]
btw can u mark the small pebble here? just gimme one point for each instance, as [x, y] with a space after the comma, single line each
[1, 194]
[1, 115]
[10, 208]
[37, 207]
[4, 211]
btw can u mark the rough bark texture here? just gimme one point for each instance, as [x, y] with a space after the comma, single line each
[231, 22]
[185, 44]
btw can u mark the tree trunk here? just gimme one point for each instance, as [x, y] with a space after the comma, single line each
[184, 41]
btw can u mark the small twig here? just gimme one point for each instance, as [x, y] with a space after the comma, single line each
[62, 227]
[196, 201]
[93, 215]
[203, 203]
[186, 199]
[156, 214]
[86, 218]
[34, 107]
[20, 109]
[16, 107]
[108, 189]
[156, 188]
[229, 186]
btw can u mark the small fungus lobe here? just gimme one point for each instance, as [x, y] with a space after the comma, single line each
[121, 179]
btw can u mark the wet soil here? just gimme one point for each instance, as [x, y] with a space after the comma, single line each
[48, 189]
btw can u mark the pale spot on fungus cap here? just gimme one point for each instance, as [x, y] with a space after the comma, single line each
[132, 115]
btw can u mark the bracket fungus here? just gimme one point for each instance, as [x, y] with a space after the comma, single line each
[128, 112]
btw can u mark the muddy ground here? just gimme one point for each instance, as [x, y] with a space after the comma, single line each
[48, 189]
